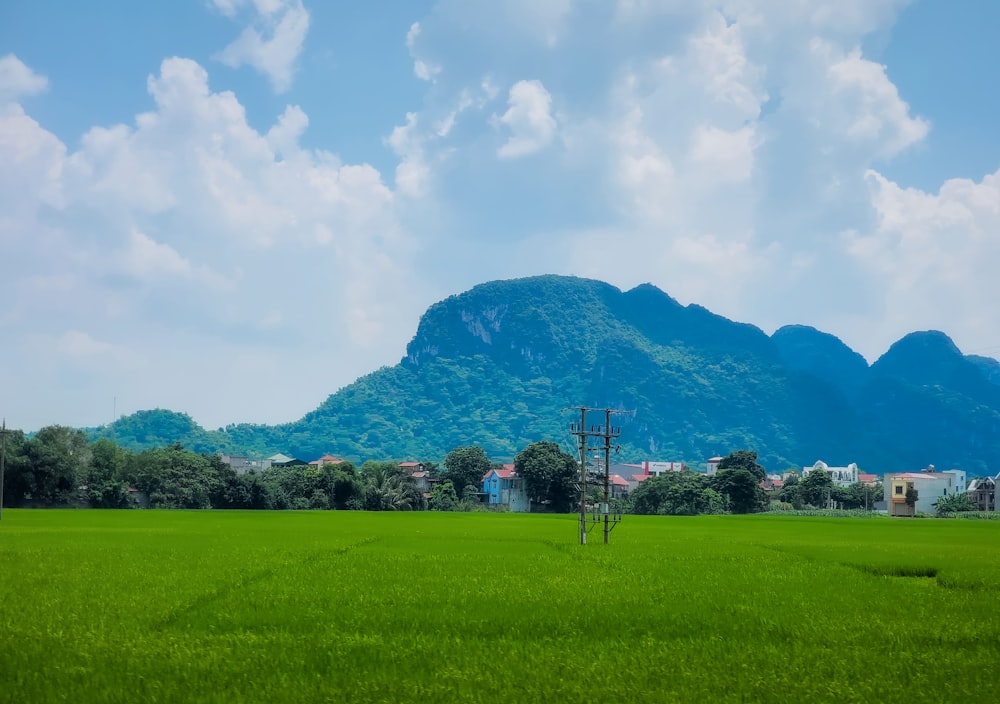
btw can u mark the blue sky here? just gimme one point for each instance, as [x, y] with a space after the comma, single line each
[234, 207]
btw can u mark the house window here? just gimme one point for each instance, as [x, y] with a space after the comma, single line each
[899, 489]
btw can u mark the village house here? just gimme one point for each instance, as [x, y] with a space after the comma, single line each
[634, 480]
[618, 486]
[712, 465]
[239, 463]
[417, 471]
[280, 460]
[325, 459]
[502, 487]
[930, 485]
[983, 492]
[841, 476]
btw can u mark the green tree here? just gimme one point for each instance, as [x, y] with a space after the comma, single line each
[676, 494]
[104, 477]
[911, 497]
[742, 490]
[858, 495]
[173, 477]
[343, 485]
[954, 503]
[816, 488]
[57, 457]
[385, 490]
[791, 492]
[465, 466]
[550, 475]
[17, 479]
[443, 497]
[743, 459]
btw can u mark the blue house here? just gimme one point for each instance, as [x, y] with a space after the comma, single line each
[503, 487]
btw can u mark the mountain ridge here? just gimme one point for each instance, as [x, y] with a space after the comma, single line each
[497, 365]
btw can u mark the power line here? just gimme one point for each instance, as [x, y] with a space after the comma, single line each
[606, 433]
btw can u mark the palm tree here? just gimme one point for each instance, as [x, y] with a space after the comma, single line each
[387, 491]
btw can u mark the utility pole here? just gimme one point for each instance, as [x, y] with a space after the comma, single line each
[607, 434]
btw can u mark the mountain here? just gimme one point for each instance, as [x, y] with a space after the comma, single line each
[503, 365]
[821, 355]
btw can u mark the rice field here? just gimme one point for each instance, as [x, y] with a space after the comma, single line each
[149, 606]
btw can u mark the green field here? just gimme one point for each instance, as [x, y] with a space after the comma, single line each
[147, 606]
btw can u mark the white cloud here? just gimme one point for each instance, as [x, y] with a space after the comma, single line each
[728, 154]
[146, 258]
[866, 103]
[715, 149]
[529, 119]
[273, 42]
[18, 81]
[189, 229]
[412, 173]
[719, 61]
[284, 136]
[933, 257]
[422, 69]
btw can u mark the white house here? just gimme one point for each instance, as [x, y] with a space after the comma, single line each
[841, 476]
[929, 484]
[712, 466]
[503, 487]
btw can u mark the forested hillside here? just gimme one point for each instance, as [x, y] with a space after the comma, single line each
[499, 365]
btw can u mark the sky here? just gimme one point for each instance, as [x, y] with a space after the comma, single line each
[233, 208]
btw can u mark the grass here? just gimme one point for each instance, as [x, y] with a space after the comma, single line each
[105, 606]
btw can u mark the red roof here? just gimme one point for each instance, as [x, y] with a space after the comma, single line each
[867, 477]
[640, 477]
[502, 473]
[409, 464]
[618, 480]
[327, 459]
[917, 475]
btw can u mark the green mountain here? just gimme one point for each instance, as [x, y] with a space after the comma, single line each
[504, 364]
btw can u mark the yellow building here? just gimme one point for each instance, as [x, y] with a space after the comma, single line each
[897, 487]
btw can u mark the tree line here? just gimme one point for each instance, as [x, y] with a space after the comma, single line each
[737, 488]
[59, 467]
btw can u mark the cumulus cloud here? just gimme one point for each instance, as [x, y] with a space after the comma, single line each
[864, 103]
[190, 229]
[699, 137]
[273, 41]
[933, 256]
[529, 119]
[18, 81]
[718, 150]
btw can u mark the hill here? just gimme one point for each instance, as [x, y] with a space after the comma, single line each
[499, 365]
